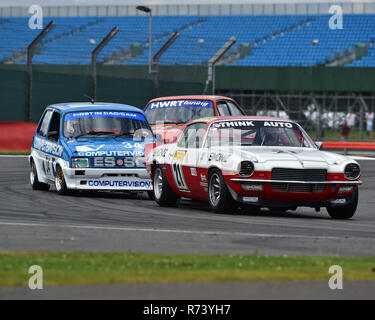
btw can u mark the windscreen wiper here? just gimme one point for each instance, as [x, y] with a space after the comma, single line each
[121, 135]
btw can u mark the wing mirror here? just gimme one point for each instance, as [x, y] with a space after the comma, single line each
[319, 144]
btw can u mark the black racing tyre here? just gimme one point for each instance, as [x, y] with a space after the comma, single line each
[219, 197]
[34, 181]
[60, 183]
[347, 211]
[163, 194]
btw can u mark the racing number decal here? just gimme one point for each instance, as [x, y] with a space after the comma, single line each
[177, 170]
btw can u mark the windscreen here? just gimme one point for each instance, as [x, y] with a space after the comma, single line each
[179, 111]
[105, 124]
[257, 133]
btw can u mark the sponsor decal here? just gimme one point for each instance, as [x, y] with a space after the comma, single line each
[203, 177]
[246, 123]
[105, 114]
[133, 153]
[204, 184]
[161, 152]
[48, 147]
[278, 124]
[110, 162]
[219, 157]
[119, 184]
[128, 145]
[179, 155]
[233, 124]
[193, 172]
[180, 103]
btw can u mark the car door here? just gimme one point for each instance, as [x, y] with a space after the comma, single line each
[40, 141]
[186, 157]
[53, 136]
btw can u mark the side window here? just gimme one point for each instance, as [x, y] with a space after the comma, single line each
[234, 110]
[192, 136]
[43, 128]
[54, 128]
[223, 109]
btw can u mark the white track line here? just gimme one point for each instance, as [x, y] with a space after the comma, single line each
[198, 232]
[362, 158]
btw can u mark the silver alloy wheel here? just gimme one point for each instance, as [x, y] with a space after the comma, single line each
[32, 173]
[214, 189]
[158, 183]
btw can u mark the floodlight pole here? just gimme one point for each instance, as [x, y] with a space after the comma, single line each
[94, 56]
[29, 73]
[214, 60]
[149, 12]
[155, 62]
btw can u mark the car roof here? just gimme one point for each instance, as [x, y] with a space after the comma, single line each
[99, 106]
[238, 118]
[192, 97]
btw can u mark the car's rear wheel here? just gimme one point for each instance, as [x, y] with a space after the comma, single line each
[163, 194]
[34, 181]
[60, 183]
[219, 197]
[347, 211]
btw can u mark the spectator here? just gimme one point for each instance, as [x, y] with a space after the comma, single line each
[345, 129]
[350, 120]
[370, 124]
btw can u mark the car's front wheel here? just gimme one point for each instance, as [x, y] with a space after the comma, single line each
[219, 197]
[163, 194]
[34, 181]
[347, 211]
[60, 183]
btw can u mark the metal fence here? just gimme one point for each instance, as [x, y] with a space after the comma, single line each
[196, 9]
[318, 113]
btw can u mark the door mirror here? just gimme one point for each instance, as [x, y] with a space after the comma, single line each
[319, 144]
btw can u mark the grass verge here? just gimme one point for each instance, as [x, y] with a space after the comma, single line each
[73, 268]
[11, 153]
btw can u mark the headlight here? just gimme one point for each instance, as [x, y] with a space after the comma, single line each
[80, 163]
[352, 171]
[246, 168]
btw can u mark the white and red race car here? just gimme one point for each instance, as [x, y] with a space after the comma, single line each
[253, 162]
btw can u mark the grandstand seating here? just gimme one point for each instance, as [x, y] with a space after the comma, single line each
[279, 40]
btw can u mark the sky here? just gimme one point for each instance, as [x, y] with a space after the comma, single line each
[8, 3]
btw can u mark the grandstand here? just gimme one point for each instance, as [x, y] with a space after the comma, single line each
[286, 61]
[274, 40]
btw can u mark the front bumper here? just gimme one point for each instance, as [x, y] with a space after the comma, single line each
[108, 179]
[268, 197]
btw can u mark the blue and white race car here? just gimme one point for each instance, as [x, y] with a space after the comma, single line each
[84, 146]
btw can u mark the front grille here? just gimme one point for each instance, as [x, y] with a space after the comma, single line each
[296, 187]
[352, 171]
[299, 174]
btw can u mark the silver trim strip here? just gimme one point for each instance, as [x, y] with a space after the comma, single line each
[359, 182]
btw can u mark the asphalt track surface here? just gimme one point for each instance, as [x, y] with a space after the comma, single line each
[44, 221]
